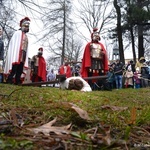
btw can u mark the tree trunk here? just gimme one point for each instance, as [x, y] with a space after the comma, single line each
[64, 35]
[140, 41]
[119, 32]
[133, 45]
[140, 34]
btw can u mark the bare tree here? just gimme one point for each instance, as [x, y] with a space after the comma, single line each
[95, 13]
[57, 25]
[9, 15]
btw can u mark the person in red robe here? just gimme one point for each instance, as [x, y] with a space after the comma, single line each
[38, 67]
[65, 70]
[95, 60]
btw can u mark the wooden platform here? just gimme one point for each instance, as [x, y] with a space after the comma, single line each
[58, 77]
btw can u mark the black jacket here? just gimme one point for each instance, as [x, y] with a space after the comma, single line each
[1, 49]
[118, 69]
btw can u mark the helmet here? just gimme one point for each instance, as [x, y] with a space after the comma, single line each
[40, 51]
[95, 35]
[24, 22]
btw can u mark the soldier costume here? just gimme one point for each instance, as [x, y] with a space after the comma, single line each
[95, 61]
[38, 67]
[17, 55]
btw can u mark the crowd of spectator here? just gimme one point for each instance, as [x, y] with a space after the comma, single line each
[130, 75]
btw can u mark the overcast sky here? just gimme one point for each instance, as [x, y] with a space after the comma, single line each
[36, 28]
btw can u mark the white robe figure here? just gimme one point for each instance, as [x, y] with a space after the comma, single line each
[13, 57]
[86, 86]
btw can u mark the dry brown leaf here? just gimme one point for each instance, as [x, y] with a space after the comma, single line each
[13, 117]
[114, 108]
[102, 135]
[82, 113]
[48, 129]
[133, 116]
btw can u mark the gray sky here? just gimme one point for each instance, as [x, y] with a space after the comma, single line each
[36, 28]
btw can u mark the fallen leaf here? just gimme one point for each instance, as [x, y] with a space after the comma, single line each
[114, 108]
[48, 129]
[82, 113]
[133, 116]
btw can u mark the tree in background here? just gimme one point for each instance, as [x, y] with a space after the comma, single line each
[119, 31]
[58, 28]
[133, 24]
[91, 14]
[7, 22]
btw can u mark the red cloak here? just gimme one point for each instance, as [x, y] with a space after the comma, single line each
[42, 68]
[86, 61]
[68, 70]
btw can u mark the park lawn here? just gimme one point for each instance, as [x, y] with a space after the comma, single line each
[112, 119]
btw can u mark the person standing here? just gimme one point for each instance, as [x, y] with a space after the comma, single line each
[95, 61]
[1, 55]
[1, 45]
[65, 70]
[140, 63]
[51, 76]
[17, 55]
[144, 75]
[129, 77]
[137, 78]
[110, 78]
[118, 71]
[38, 67]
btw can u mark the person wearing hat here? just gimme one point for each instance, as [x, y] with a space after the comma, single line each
[38, 67]
[95, 61]
[110, 78]
[140, 63]
[17, 54]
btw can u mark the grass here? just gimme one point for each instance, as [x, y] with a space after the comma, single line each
[39, 105]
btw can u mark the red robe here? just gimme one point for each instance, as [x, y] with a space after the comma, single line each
[68, 70]
[86, 61]
[42, 68]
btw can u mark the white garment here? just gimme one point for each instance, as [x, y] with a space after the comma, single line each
[86, 86]
[13, 53]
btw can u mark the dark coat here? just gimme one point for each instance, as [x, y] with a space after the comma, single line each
[1, 49]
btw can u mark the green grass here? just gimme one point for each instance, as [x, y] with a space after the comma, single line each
[39, 105]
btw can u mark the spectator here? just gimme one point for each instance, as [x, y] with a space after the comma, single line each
[1, 55]
[76, 70]
[139, 63]
[38, 67]
[132, 65]
[144, 75]
[110, 78]
[137, 78]
[17, 55]
[129, 77]
[1, 46]
[148, 64]
[51, 76]
[118, 71]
